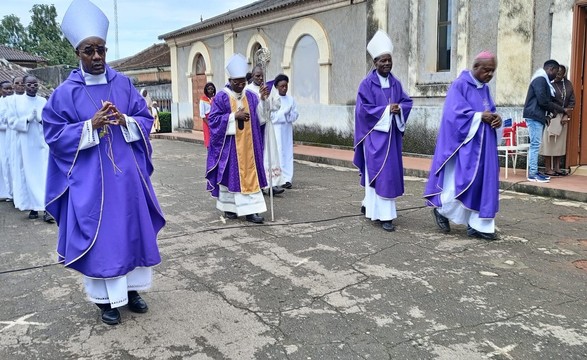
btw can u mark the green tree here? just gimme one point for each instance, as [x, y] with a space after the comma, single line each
[12, 32]
[45, 37]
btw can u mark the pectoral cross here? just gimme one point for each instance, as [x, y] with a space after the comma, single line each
[486, 104]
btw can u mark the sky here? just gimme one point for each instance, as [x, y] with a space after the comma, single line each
[140, 22]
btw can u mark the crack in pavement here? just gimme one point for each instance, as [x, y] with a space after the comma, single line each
[532, 309]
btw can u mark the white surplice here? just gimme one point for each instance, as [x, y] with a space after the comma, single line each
[283, 119]
[271, 162]
[31, 153]
[5, 151]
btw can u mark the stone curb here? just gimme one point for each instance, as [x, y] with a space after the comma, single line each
[520, 187]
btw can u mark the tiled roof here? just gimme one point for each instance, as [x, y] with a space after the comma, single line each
[152, 57]
[14, 55]
[256, 8]
[8, 71]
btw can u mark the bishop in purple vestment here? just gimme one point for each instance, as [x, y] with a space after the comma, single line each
[464, 176]
[98, 181]
[234, 172]
[381, 112]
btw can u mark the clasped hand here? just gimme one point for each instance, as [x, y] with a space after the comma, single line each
[34, 116]
[108, 115]
[242, 115]
[492, 119]
[394, 109]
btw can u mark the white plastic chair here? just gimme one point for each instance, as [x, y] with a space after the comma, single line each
[507, 149]
[512, 146]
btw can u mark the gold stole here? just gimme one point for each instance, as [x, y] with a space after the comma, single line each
[245, 151]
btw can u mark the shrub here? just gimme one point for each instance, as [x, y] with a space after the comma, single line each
[419, 139]
[165, 121]
[317, 135]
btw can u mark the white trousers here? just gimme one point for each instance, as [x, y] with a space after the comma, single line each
[114, 291]
[240, 204]
[454, 210]
[377, 207]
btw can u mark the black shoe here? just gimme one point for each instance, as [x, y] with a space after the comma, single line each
[33, 214]
[481, 235]
[287, 185]
[48, 218]
[110, 316]
[136, 303]
[363, 210]
[278, 190]
[388, 225]
[255, 218]
[441, 221]
[230, 215]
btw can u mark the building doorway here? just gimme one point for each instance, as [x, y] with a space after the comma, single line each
[577, 142]
[198, 82]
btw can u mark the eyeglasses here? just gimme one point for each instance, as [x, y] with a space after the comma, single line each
[239, 83]
[91, 50]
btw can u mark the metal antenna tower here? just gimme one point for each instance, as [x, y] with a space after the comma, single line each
[116, 52]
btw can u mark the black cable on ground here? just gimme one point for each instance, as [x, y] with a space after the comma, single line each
[220, 229]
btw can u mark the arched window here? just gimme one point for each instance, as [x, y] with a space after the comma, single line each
[254, 50]
[305, 82]
[200, 65]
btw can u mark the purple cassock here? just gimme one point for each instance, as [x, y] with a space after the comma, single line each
[381, 150]
[101, 197]
[476, 162]
[222, 165]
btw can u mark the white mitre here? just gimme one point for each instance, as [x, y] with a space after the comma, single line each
[237, 67]
[380, 44]
[82, 20]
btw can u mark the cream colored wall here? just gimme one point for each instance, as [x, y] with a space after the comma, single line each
[174, 70]
[514, 50]
[562, 34]
[380, 8]
[228, 49]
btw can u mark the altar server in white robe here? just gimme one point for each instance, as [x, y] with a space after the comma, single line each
[271, 163]
[18, 87]
[283, 119]
[31, 152]
[5, 183]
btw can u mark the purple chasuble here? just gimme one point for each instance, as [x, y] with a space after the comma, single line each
[101, 197]
[381, 150]
[222, 165]
[476, 162]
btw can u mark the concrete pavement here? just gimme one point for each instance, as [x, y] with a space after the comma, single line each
[321, 282]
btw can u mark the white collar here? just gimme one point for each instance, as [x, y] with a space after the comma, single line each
[90, 79]
[477, 82]
[384, 81]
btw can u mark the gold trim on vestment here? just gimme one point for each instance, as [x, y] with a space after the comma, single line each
[245, 151]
